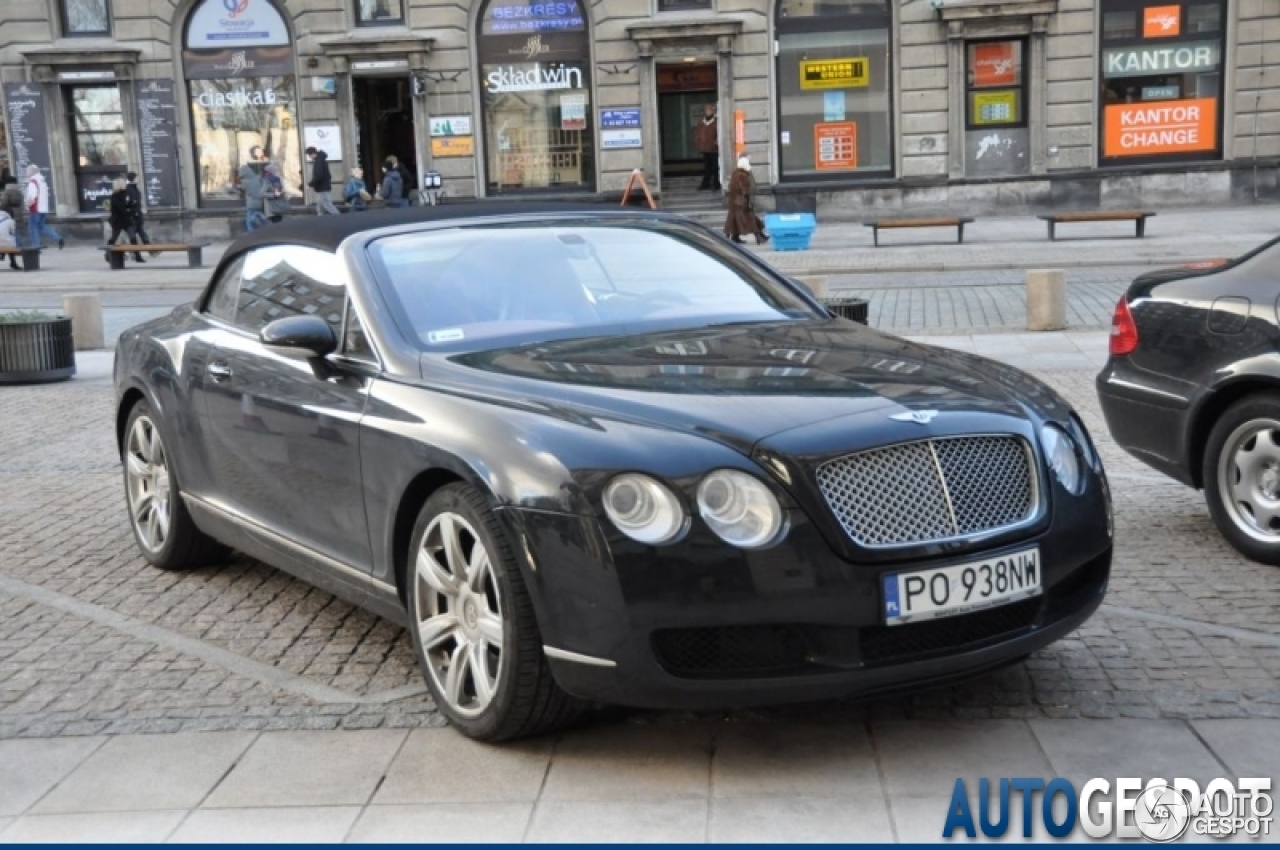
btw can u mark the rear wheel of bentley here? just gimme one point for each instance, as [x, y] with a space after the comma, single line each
[473, 625]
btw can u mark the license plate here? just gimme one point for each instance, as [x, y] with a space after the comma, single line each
[958, 589]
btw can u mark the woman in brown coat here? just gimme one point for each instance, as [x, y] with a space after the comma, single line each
[742, 217]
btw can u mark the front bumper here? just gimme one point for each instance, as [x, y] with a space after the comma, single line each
[701, 625]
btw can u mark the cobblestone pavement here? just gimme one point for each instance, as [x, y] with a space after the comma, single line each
[979, 301]
[94, 641]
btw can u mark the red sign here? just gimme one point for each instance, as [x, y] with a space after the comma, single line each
[835, 145]
[1161, 126]
[995, 64]
[1161, 21]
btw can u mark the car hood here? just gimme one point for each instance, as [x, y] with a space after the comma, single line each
[739, 383]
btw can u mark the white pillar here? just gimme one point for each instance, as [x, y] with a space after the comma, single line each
[85, 312]
[1046, 300]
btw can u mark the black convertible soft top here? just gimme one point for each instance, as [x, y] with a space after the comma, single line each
[328, 232]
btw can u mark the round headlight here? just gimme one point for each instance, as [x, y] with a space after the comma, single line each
[643, 509]
[1062, 457]
[739, 509]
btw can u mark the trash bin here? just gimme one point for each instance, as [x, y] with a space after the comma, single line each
[790, 231]
[855, 309]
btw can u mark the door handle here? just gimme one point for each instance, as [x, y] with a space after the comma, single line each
[218, 371]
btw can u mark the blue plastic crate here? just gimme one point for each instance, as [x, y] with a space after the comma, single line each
[790, 231]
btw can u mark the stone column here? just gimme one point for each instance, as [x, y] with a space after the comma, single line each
[1046, 300]
[1037, 91]
[648, 77]
[955, 98]
[343, 102]
[724, 82]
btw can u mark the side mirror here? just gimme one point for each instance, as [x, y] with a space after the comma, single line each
[305, 336]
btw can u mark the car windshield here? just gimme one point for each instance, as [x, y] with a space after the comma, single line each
[470, 288]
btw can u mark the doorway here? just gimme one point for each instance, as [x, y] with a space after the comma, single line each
[684, 90]
[384, 126]
[101, 153]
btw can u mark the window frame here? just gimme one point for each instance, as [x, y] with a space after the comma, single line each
[363, 23]
[1138, 40]
[206, 306]
[823, 23]
[504, 48]
[1021, 86]
[64, 22]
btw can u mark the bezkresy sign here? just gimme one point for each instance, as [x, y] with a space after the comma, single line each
[536, 77]
[1145, 61]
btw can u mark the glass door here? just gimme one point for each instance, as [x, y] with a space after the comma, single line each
[98, 141]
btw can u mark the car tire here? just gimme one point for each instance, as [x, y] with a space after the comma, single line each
[161, 524]
[473, 626]
[1241, 475]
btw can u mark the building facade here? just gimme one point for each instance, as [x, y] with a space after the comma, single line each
[844, 106]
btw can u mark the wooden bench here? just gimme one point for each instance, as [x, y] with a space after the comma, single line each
[1138, 218]
[30, 257]
[898, 223]
[195, 252]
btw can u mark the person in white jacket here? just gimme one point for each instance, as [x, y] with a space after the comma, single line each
[9, 237]
[38, 210]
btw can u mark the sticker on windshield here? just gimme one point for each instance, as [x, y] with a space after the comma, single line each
[446, 335]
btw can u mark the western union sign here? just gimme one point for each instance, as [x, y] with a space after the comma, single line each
[835, 73]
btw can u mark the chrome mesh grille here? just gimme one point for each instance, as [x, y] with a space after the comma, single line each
[931, 490]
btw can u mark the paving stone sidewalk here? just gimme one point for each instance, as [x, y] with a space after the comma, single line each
[794, 780]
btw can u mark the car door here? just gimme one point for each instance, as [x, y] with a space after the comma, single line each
[284, 433]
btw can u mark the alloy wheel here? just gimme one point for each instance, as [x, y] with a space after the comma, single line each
[460, 617]
[1249, 479]
[147, 469]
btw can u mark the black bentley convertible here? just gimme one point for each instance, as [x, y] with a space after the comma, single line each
[601, 455]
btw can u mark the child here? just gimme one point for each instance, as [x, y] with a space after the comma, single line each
[356, 194]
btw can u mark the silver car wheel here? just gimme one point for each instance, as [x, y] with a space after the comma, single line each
[1249, 479]
[460, 622]
[147, 468]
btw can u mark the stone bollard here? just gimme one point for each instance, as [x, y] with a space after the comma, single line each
[1046, 300]
[85, 312]
[817, 285]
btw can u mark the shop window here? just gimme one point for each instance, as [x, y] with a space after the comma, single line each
[1161, 82]
[995, 90]
[834, 92]
[85, 17]
[242, 95]
[372, 13]
[98, 141]
[535, 74]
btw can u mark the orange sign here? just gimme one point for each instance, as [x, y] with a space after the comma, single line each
[1161, 126]
[1161, 21]
[835, 145]
[995, 64]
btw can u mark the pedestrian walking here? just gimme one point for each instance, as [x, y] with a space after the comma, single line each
[251, 185]
[706, 138]
[37, 200]
[139, 215]
[321, 181]
[274, 196]
[355, 192]
[120, 215]
[742, 218]
[14, 205]
[393, 186]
